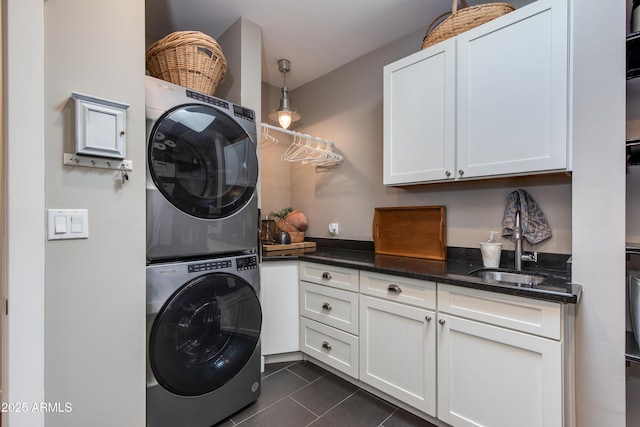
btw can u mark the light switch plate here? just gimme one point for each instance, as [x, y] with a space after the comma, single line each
[68, 224]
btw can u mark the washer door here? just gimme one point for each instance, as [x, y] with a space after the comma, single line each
[204, 334]
[203, 161]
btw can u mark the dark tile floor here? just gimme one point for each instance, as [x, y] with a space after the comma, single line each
[298, 394]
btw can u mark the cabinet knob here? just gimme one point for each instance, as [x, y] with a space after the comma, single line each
[394, 288]
[447, 173]
[326, 275]
[326, 306]
[441, 321]
[460, 172]
[428, 318]
[326, 345]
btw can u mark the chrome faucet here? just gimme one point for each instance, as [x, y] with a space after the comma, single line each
[519, 256]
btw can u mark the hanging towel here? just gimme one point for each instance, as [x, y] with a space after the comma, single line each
[534, 225]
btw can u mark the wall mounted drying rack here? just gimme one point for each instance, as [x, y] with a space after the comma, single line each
[307, 149]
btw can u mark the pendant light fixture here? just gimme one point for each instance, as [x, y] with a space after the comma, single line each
[284, 115]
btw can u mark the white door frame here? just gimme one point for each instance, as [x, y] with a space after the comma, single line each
[23, 244]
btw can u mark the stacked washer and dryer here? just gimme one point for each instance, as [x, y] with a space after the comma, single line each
[203, 312]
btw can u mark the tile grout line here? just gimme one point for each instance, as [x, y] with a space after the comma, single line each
[309, 382]
[333, 407]
[279, 370]
[302, 388]
[388, 417]
[287, 396]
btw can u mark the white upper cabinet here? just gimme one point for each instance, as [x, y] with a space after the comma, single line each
[510, 110]
[419, 116]
[512, 93]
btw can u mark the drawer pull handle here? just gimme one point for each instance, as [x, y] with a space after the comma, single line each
[326, 275]
[428, 318]
[326, 345]
[394, 288]
[441, 321]
[327, 306]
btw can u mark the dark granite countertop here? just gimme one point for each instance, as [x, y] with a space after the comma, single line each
[454, 271]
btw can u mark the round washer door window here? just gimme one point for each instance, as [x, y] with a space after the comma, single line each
[203, 161]
[205, 334]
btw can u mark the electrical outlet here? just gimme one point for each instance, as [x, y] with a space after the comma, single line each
[333, 229]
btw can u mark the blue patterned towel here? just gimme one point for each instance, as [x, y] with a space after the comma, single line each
[534, 225]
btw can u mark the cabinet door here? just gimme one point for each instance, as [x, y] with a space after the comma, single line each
[279, 301]
[419, 116]
[398, 351]
[512, 93]
[490, 376]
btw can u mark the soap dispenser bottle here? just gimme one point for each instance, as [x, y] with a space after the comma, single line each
[491, 251]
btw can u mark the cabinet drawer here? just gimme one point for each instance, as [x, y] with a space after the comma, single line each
[333, 307]
[541, 318]
[421, 293]
[337, 277]
[329, 345]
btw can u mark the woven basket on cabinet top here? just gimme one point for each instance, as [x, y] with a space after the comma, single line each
[188, 58]
[464, 19]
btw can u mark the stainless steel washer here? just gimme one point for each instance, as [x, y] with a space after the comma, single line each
[203, 340]
[202, 170]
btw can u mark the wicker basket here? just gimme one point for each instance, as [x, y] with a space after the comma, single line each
[188, 58]
[464, 19]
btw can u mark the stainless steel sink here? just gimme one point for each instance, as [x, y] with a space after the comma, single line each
[508, 277]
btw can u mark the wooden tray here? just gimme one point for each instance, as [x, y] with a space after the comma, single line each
[413, 231]
[279, 247]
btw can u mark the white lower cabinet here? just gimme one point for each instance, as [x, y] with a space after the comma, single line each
[332, 346]
[279, 300]
[398, 351]
[489, 375]
[465, 356]
[329, 315]
[333, 307]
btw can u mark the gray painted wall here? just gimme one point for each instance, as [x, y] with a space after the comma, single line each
[346, 106]
[95, 288]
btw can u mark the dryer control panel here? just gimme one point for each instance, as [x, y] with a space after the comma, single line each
[208, 99]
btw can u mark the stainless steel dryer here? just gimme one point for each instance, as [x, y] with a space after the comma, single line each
[203, 340]
[202, 170]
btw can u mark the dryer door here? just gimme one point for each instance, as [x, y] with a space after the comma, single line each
[203, 161]
[204, 334]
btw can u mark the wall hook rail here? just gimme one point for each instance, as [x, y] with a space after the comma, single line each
[123, 166]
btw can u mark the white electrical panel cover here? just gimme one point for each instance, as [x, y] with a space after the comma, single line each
[100, 126]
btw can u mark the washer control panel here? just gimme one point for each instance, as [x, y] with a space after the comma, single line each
[209, 266]
[247, 263]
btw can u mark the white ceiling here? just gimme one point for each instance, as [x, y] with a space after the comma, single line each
[316, 36]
